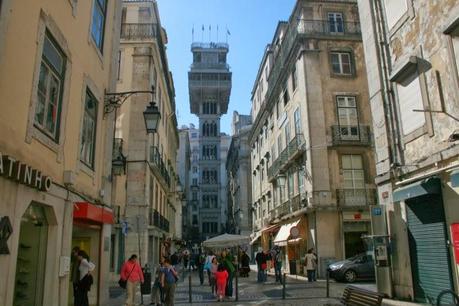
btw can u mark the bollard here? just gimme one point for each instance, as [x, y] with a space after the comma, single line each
[237, 291]
[283, 287]
[328, 283]
[189, 289]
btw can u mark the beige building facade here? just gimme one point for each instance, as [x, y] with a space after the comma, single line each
[55, 143]
[145, 194]
[412, 60]
[312, 160]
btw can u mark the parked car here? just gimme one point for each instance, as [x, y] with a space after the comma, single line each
[360, 267]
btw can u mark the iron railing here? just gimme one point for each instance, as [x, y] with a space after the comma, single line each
[351, 135]
[294, 149]
[158, 220]
[356, 197]
[141, 31]
[159, 165]
[325, 27]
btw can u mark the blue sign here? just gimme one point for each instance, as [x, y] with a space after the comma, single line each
[377, 211]
[124, 228]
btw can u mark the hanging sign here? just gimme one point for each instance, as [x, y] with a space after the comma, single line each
[16, 170]
[455, 240]
[294, 232]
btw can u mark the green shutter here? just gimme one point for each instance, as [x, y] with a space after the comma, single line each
[430, 260]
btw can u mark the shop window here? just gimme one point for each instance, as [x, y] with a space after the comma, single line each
[50, 88]
[31, 257]
[98, 22]
[88, 133]
[341, 63]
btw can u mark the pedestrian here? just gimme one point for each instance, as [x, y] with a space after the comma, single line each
[278, 263]
[200, 260]
[228, 263]
[245, 264]
[186, 258]
[260, 258]
[209, 258]
[157, 296]
[75, 273]
[267, 259]
[132, 273]
[169, 278]
[310, 262]
[213, 270]
[84, 284]
[221, 277]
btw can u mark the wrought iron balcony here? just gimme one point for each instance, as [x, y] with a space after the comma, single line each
[354, 135]
[356, 197]
[138, 31]
[159, 165]
[325, 27]
[294, 149]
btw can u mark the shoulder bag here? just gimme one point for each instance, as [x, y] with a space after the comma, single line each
[123, 282]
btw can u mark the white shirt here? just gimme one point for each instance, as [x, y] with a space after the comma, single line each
[85, 267]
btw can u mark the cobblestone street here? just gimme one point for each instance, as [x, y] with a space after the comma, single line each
[298, 292]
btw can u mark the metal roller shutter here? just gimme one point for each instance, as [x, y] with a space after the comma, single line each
[430, 259]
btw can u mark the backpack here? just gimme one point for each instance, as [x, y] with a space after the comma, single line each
[169, 276]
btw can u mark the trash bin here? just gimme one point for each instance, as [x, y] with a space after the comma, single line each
[292, 265]
[145, 288]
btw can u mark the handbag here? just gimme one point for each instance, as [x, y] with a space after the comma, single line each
[122, 282]
[263, 266]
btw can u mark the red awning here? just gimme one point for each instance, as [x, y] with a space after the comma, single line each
[90, 213]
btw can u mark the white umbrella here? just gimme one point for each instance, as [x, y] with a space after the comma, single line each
[226, 241]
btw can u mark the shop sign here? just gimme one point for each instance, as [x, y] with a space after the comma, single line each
[5, 232]
[377, 211]
[16, 170]
[357, 216]
[294, 232]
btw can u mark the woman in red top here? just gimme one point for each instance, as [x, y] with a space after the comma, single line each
[132, 273]
[221, 277]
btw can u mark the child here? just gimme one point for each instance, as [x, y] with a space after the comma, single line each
[221, 276]
[213, 270]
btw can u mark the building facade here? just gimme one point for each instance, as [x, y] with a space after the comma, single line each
[145, 193]
[209, 88]
[184, 168]
[239, 177]
[55, 146]
[412, 64]
[311, 141]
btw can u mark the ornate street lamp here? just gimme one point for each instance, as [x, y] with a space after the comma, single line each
[151, 116]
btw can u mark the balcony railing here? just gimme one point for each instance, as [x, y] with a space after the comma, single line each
[156, 219]
[325, 27]
[140, 31]
[358, 135]
[356, 197]
[210, 66]
[159, 164]
[294, 149]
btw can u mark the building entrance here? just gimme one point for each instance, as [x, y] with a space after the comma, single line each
[31, 259]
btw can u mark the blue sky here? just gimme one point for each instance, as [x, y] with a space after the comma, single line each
[251, 23]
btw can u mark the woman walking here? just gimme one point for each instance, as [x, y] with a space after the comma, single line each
[168, 279]
[221, 277]
[310, 261]
[84, 284]
[213, 270]
[132, 273]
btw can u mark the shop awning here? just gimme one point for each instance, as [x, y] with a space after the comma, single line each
[90, 213]
[455, 178]
[271, 228]
[284, 233]
[425, 187]
[255, 237]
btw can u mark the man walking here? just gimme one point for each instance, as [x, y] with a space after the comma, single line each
[310, 261]
[278, 263]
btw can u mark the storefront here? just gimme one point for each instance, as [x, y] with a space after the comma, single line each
[37, 216]
[355, 225]
[91, 233]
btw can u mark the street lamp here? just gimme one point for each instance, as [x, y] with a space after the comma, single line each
[151, 115]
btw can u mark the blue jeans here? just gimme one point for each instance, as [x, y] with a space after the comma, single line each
[260, 274]
[201, 274]
[312, 275]
[277, 270]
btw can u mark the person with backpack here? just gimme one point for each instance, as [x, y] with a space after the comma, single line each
[131, 272]
[84, 284]
[169, 278]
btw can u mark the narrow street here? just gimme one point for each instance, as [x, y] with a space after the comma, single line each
[298, 292]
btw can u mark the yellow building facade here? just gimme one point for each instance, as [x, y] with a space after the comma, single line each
[56, 60]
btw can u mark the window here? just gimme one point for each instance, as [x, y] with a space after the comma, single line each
[341, 63]
[197, 57]
[222, 57]
[277, 110]
[195, 169]
[210, 227]
[209, 129]
[209, 108]
[285, 94]
[287, 133]
[144, 15]
[290, 184]
[98, 22]
[353, 172]
[210, 201]
[209, 176]
[88, 133]
[195, 220]
[335, 23]
[297, 119]
[195, 183]
[209, 152]
[410, 98]
[194, 196]
[294, 78]
[194, 135]
[50, 87]
[347, 118]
